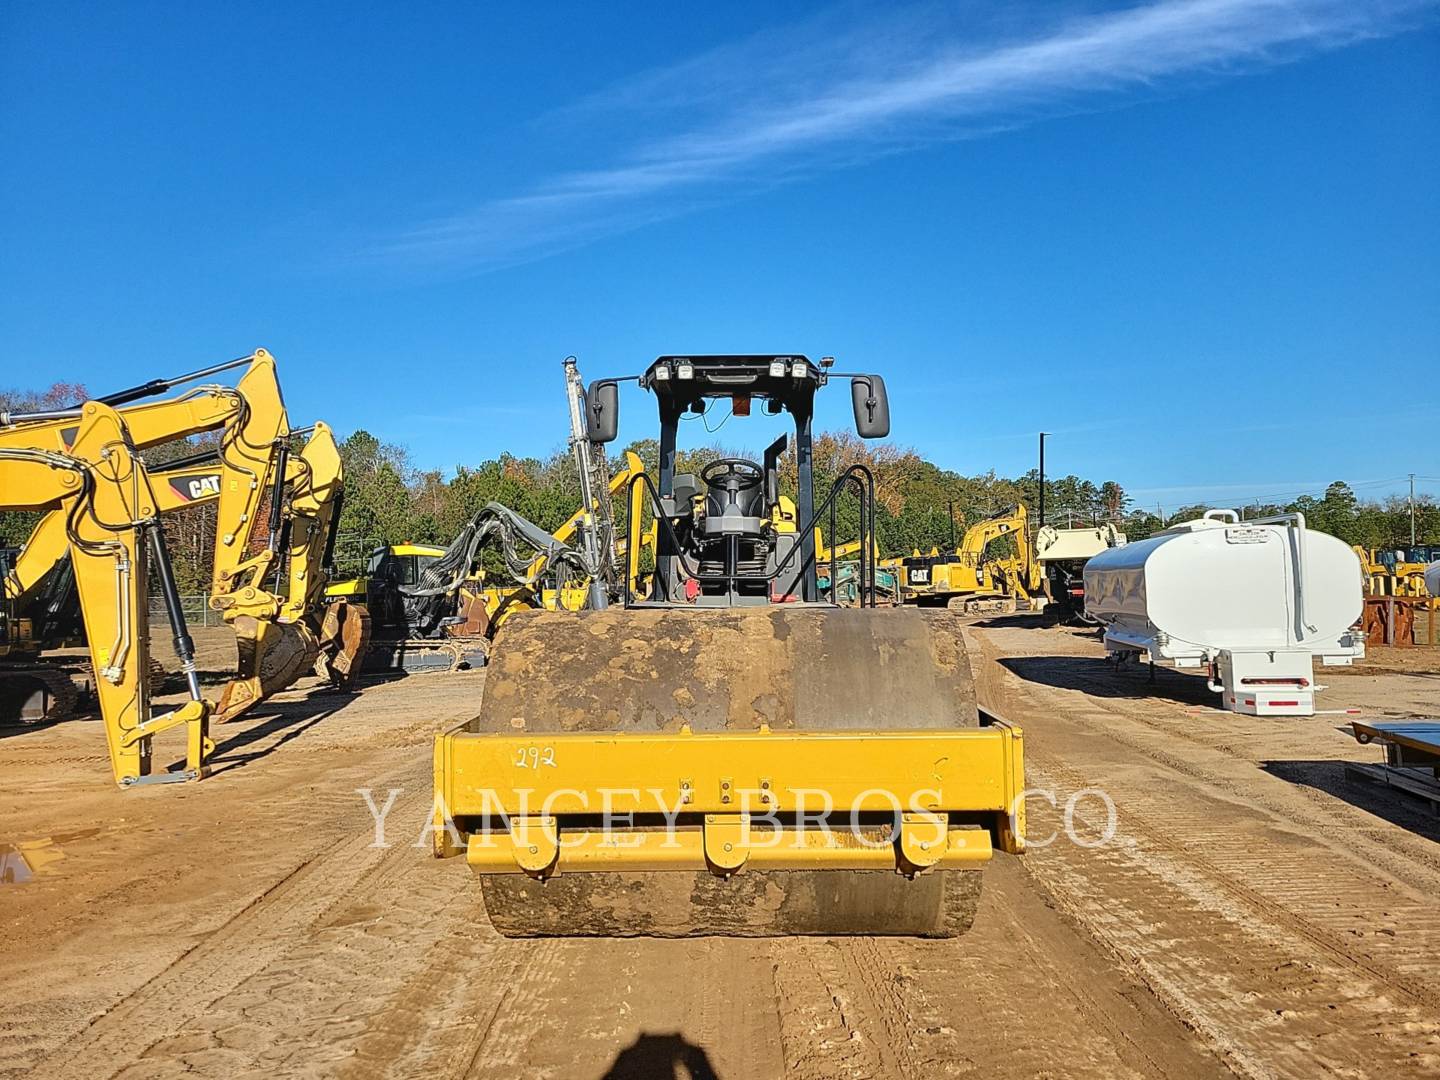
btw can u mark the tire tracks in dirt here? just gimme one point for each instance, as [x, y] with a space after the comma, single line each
[363, 962]
[1250, 926]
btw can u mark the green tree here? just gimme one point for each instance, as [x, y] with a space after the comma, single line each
[15, 525]
[1336, 513]
[379, 505]
[1141, 525]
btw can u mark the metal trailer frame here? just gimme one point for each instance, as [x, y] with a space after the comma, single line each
[1411, 748]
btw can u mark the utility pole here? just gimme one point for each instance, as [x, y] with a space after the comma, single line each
[1042, 479]
[1412, 509]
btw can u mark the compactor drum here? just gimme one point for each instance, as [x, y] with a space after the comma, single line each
[726, 755]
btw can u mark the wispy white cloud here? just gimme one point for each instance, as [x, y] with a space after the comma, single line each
[840, 90]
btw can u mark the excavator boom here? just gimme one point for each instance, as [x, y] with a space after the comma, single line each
[104, 493]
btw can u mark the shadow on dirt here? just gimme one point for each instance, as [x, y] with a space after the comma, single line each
[1407, 811]
[11, 725]
[1019, 621]
[661, 1057]
[1099, 678]
[235, 743]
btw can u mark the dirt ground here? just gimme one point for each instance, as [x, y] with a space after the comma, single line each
[1255, 913]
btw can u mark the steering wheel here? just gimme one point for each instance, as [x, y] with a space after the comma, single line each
[747, 474]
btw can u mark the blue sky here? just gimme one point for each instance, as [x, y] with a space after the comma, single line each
[1197, 239]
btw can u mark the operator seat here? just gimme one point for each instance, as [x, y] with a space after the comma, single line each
[735, 503]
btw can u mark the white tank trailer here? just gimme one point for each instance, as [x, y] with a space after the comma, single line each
[1253, 602]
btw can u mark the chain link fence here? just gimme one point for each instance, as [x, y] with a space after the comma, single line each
[196, 607]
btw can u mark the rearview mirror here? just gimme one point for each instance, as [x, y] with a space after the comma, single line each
[872, 408]
[602, 411]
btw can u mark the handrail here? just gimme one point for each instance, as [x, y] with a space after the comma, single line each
[853, 474]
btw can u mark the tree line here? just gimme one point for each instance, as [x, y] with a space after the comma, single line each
[919, 505]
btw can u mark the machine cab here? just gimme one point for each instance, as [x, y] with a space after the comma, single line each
[389, 570]
[722, 539]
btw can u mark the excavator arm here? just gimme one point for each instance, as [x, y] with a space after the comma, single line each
[250, 416]
[280, 634]
[101, 489]
[983, 533]
[1021, 571]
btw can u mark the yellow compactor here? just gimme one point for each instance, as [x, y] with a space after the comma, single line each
[726, 754]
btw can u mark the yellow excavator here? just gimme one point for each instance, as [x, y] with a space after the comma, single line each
[965, 576]
[277, 636]
[282, 631]
[100, 486]
[724, 752]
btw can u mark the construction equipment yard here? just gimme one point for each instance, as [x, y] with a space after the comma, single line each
[1255, 913]
[368, 710]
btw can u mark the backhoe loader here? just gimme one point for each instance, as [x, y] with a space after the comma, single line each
[1397, 571]
[114, 536]
[723, 752]
[251, 463]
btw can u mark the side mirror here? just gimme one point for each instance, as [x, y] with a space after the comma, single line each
[872, 407]
[602, 411]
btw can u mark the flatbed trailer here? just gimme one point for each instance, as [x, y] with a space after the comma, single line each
[1412, 757]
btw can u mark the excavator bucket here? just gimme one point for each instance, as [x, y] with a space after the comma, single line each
[759, 771]
[272, 656]
[344, 641]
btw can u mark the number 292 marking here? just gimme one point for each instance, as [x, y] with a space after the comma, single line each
[533, 757]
